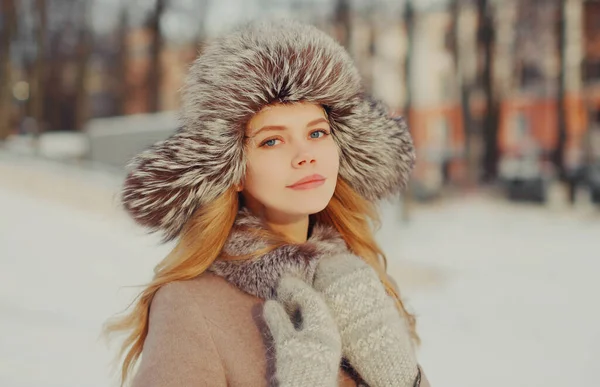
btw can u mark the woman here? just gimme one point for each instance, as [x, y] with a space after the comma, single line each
[276, 276]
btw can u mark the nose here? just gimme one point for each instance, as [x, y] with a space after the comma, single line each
[303, 159]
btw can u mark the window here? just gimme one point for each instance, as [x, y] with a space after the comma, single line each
[531, 75]
[591, 70]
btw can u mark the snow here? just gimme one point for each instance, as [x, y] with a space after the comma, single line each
[518, 301]
[67, 258]
[505, 294]
[65, 145]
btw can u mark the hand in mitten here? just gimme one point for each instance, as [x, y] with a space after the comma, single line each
[311, 354]
[375, 336]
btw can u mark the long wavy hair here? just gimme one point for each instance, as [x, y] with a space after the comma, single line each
[204, 236]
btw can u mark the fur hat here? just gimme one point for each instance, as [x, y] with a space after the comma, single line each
[234, 78]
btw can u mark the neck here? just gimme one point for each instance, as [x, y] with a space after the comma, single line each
[296, 230]
[293, 227]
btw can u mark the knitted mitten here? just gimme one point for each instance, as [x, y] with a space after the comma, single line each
[375, 337]
[311, 354]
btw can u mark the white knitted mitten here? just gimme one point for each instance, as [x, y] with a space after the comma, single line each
[311, 354]
[375, 337]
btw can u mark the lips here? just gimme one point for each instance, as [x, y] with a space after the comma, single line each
[308, 181]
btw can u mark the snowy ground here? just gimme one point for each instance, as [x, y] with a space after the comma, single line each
[505, 294]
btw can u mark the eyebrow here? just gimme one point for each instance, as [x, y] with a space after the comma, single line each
[281, 127]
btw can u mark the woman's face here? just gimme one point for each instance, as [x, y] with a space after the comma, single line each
[292, 161]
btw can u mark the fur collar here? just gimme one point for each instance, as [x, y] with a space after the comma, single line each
[261, 275]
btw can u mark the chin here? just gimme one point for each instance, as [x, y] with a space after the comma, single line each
[300, 206]
[310, 209]
[308, 205]
[299, 203]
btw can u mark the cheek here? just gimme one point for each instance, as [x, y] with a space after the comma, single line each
[331, 157]
[262, 173]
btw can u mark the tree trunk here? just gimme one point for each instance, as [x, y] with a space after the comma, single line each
[490, 122]
[8, 33]
[464, 89]
[155, 73]
[343, 23]
[409, 23]
[561, 103]
[37, 79]
[409, 17]
[84, 52]
[119, 86]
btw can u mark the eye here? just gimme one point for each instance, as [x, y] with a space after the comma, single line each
[319, 133]
[269, 143]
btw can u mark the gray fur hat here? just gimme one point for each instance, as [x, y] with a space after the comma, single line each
[234, 78]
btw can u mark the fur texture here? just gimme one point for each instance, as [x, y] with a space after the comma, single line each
[234, 78]
[260, 276]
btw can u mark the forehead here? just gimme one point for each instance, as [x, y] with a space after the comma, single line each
[288, 115]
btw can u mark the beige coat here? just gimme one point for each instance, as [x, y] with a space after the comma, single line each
[207, 332]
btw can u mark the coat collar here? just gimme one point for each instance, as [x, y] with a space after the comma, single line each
[260, 276]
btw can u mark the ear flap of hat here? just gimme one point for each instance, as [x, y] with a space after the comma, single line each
[377, 152]
[169, 181]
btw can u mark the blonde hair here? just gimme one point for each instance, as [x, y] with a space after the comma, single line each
[204, 236]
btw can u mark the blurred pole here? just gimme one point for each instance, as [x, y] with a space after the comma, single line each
[561, 111]
[155, 73]
[37, 78]
[409, 25]
[343, 23]
[486, 35]
[9, 14]
[84, 52]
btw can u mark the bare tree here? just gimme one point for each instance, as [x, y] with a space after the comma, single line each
[155, 73]
[8, 34]
[464, 87]
[561, 110]
[37, 81]
[409, 24]
[486, 35]
[83, 54]
[119, 85]
[343, 22]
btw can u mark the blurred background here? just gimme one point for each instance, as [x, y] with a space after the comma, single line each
[494, 245]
